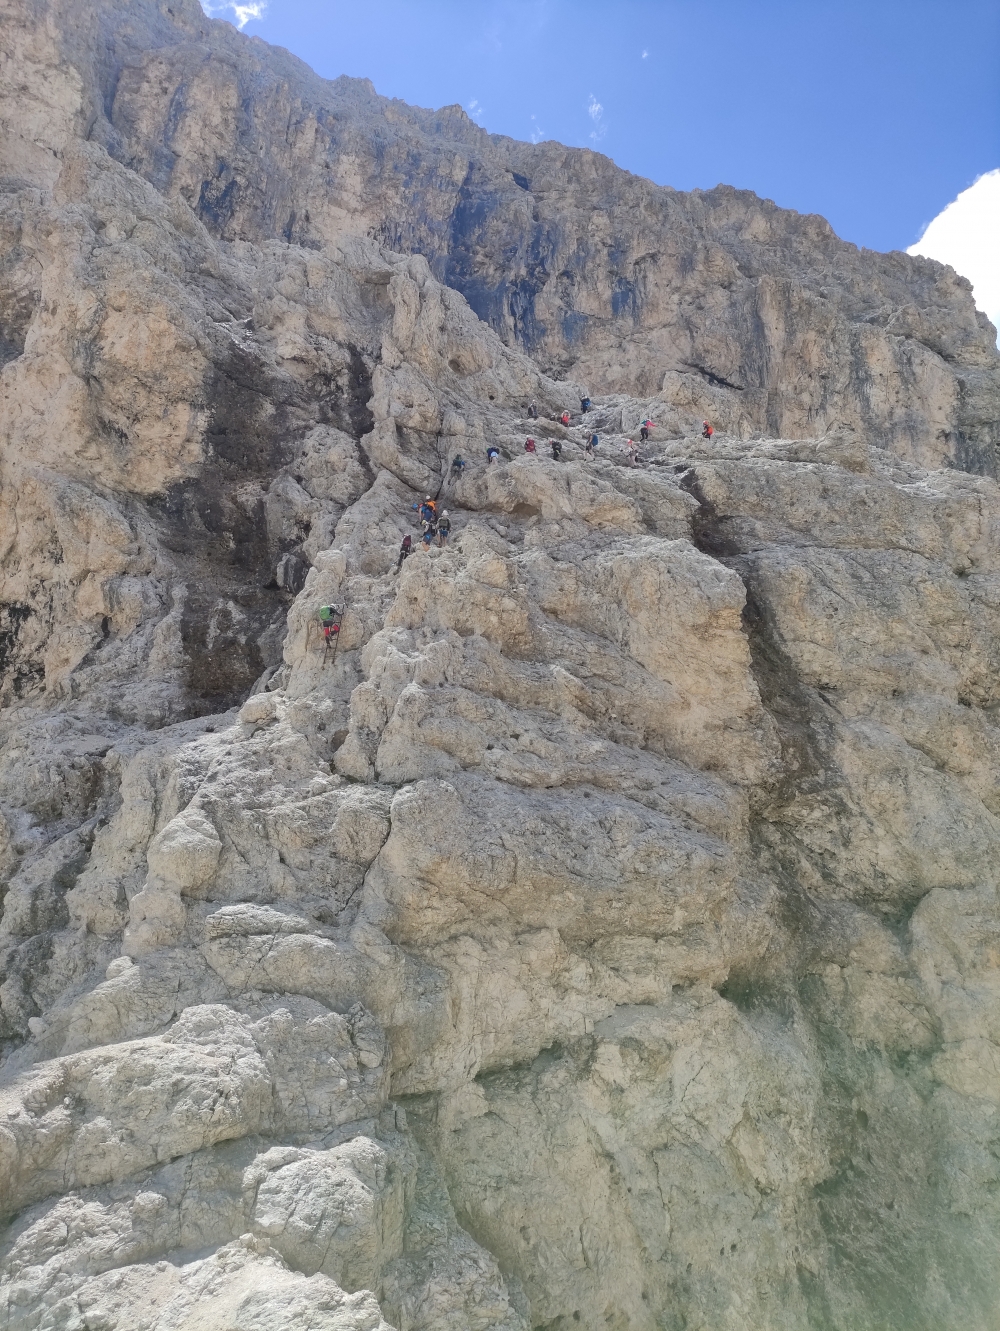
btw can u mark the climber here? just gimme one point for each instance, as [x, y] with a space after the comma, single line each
[443, 528]
[529, 447]
[556, 447]
[564, 418]
[631, 451]
[644, 429]
[404, 550]
[592, 443]
[457, 465]
[430, 531]
[585, 404]
[427, 510]
[707, 430]
[329, 618]
[532, 412]
[492, 454]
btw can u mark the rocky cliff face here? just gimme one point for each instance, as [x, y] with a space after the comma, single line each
[605, 932]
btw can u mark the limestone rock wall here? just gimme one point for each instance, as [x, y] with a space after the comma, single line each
[716, 301]
[604, 932]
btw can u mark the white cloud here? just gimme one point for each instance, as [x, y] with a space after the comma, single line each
[537, 133]
[474, 109]
[242, 14]
[596, 112]
[967, 236]
[644, 56]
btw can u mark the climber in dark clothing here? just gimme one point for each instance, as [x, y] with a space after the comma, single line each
[556, 447]
[492, 454]
[585, 404]
[532, 412]
[457, 465]
[404, 550]
[592, 443]
[644, 430]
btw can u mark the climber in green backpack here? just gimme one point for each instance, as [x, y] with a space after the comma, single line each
[329, 619]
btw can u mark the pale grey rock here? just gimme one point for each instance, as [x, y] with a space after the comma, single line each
[604, 930]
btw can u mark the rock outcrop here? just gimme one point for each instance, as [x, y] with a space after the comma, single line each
[603, 930]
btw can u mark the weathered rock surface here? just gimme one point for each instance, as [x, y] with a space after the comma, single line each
[605, 932]
[717, 302]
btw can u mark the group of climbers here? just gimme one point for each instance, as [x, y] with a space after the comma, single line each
[706, 432]
[631, 448]
[555, 447]
[433, 525]
[437, 526]
[532, 412]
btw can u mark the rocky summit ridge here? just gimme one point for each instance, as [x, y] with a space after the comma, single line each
[602, 930]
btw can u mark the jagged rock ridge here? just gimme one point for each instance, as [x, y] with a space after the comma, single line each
[605, 934]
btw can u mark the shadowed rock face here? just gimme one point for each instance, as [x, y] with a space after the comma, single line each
[604, 931]
[719, 301]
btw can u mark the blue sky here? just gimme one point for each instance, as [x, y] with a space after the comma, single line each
[875, 113]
